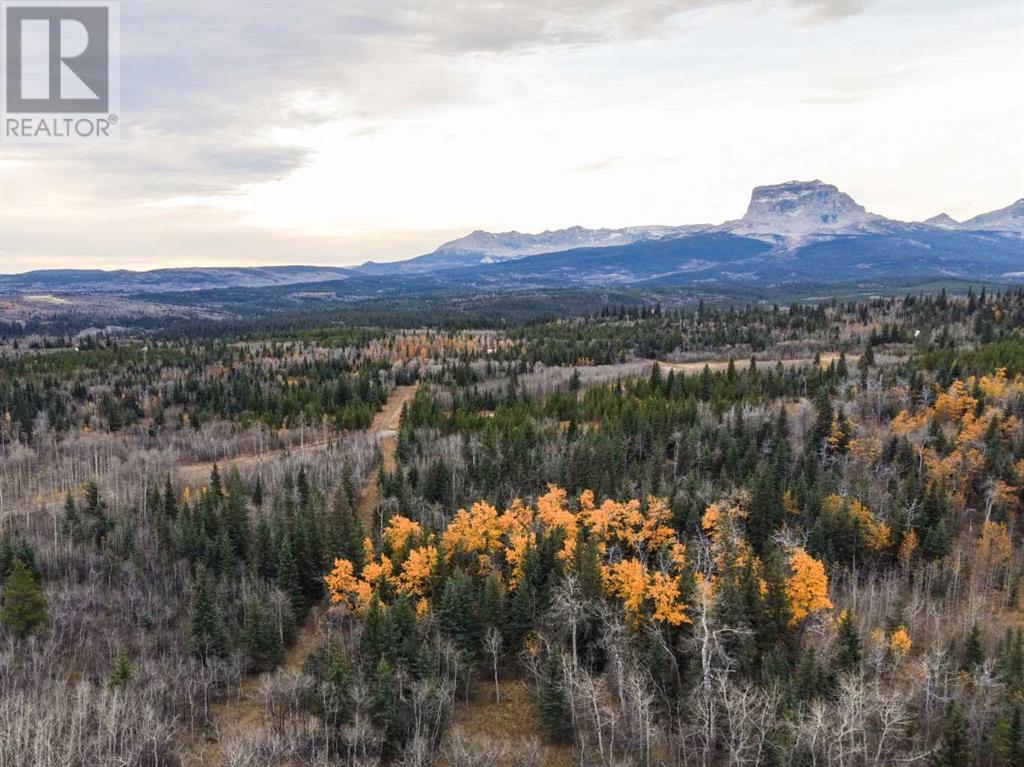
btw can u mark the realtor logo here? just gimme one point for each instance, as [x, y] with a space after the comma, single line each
[60, 59]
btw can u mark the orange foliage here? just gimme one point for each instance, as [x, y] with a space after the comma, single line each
[400, 532]
[341, 582]
[994, 547]
[900, 643]
[499, 543]
[907, 547]
[417, 570]
[807, 587]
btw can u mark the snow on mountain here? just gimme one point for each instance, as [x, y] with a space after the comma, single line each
[503, 245]
[1008, 219]
[788, 216]
[942, 221]
[482, 247]
[799, 209]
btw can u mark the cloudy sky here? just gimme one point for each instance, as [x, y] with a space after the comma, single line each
[265, 133]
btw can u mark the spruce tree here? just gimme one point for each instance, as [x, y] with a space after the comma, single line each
[23, 609]
[955, 748]
[170, 506]
[848, 649]
[974, 652]
[215, 487]
[264, 558]
[382, 701]
[288, 578]
[344, 531]
[262, 639]
[207, 632]
[457, 614]
[95, 510]
[70, 524]
[552, 704]
[122, 672]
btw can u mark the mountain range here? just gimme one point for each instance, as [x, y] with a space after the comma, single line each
[799, 232]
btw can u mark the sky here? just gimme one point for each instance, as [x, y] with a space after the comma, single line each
[262, 133]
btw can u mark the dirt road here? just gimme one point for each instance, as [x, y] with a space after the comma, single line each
[717, 366]
[244, 712]
[386, 419]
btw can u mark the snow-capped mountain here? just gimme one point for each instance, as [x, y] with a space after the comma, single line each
[942, 221]
[787, 216]
[1008, 219]
[503, 245]
[796, 232]
[799, 209]
[482, 247]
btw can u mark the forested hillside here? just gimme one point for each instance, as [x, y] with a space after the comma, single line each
[644, 535]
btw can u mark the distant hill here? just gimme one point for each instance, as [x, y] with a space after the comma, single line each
[180, 279]
[798, 232]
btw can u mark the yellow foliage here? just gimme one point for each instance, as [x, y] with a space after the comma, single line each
[553, 514]
[341, 582]
[907, 547]
[994, 547]
[383, 570]
[710, 519]
[899, 643]
[516, 553]
[877, 534]
[417, 570]
[954, 403]
[904, 423]
[663, 591]
[627, 580]
[422, 608]
[478, 531]
[864, 450]
[807, 586]
[994, 386]
[400, 532]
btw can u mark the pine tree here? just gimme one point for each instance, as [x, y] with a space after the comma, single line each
[823, 421]
[848, 650]
[262, 639]
[100, 524]
[288, 577]
[122, 672]
[170, 506]
[257, 492]
[23, 609]
[344, 531]
[765, 512]
[70, 524]
[234, 515]
[552, 704]
[955, 748]
[215, 487]
[264, 559]
[974, 652]
[374, 641]
[207, 633]
[382, 701]
[457, 614]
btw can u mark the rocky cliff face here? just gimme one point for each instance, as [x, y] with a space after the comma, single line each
[799, 208]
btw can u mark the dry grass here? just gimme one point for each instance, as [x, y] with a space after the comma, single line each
[511, 722]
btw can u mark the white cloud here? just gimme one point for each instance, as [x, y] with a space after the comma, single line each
[331, 133]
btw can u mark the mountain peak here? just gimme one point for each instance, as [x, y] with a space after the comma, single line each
[798, 208]
[1008, 219]
[942, 221]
